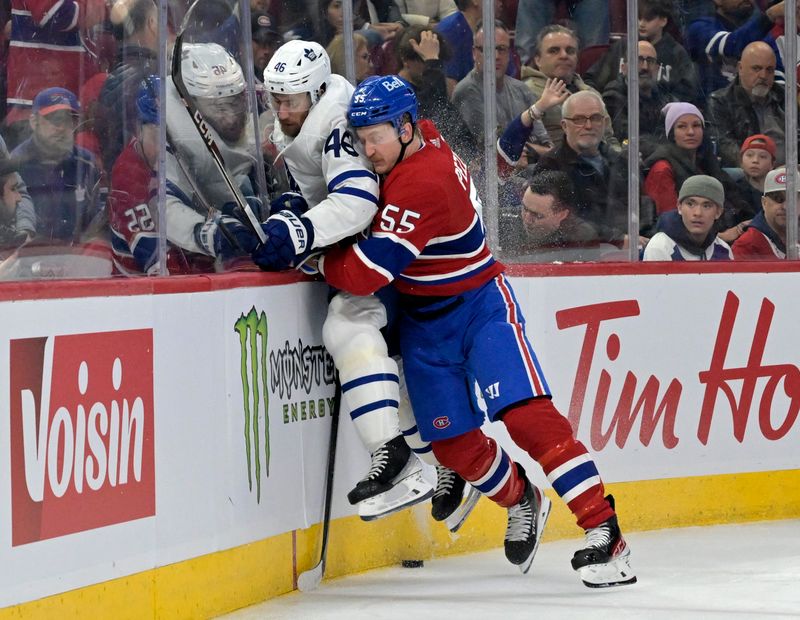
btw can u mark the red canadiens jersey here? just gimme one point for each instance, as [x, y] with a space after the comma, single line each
[134, 233]
[428, 236]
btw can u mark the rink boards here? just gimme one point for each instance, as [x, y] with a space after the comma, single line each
[165, 440]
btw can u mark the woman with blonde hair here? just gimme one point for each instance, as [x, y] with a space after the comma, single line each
[335, 51]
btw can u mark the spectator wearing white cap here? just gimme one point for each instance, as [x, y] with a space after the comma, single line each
[765, 237]
[689, 233]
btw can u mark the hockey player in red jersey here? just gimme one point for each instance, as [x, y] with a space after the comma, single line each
[461, 324]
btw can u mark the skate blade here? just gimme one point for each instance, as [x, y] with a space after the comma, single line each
[615, 573]
[541, 521]
[411, 490]
[460, 514]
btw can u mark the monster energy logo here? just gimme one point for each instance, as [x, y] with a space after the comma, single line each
[252, 330]
[299, 368]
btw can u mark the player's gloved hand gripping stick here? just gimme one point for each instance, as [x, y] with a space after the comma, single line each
[250, 219]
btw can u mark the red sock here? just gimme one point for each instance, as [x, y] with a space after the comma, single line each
[539, 429]
[478, 460]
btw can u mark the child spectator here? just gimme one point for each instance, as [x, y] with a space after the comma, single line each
[757, 158]
[765, 237]
[688, 233]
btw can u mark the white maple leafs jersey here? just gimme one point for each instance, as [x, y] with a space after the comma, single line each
[193, 180]
[326, 165]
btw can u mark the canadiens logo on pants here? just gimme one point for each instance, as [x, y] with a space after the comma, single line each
[442, 422]
[82, 423]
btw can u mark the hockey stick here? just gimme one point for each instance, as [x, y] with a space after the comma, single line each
[204, 130]
[310, 579]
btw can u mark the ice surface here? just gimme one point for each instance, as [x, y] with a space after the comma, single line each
[730, 571]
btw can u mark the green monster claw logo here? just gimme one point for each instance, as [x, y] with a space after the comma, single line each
[252, 330]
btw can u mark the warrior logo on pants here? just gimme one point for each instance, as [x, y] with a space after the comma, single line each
[252, 330]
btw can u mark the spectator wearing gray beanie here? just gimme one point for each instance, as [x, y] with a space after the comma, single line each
[686, 152]
[689, 232]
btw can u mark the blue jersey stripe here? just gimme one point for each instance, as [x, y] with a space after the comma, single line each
[373, 406]
[358, 193]
[351, 174]
[444, 280]
[389, 254]
[471, 241]
[498, 475]
[383, 376]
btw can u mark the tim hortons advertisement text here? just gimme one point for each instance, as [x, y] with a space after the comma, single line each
[725, 386]
[82, 420]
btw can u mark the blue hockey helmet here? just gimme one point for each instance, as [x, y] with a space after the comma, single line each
[382, 99]
[147, 99]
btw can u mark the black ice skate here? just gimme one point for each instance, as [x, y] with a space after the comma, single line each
[526, 522]
[605, 560]
[450, 503]
[394, 482]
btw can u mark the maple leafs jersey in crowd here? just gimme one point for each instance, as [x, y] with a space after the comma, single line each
[342, 199]
[429, 237]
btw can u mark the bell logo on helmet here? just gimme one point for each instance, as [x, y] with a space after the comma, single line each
[390, 85]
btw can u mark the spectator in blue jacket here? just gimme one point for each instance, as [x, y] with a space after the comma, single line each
[716, 42]
[62, 178]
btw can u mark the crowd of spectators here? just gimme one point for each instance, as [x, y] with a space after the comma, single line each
[78, 154]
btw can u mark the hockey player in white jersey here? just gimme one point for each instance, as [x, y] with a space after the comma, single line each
[198, 199]
[336, 197]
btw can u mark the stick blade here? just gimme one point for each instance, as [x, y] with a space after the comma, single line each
[309, 580]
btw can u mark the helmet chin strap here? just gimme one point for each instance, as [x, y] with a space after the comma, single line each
[404, 146]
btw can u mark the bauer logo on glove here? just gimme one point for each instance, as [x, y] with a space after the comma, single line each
[289, 240]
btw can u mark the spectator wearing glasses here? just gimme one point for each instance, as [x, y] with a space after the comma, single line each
[653, 96]
[511, 94]
[765, 237]
[363, 64]
[675, 70]
[689, 232]
[556, 57]
[457, 29]
[547, 228]
[598, 174]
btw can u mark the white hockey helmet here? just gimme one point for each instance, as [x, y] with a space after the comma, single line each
[298, 67]
[210, 71]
